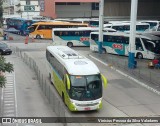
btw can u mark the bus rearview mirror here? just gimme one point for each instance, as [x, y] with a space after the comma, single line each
[68, 82]
[104, 80]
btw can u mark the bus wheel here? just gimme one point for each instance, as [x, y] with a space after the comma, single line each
[50, 78]
[139, 56]
[38, 37]
[103, 51]
[63, 98]
[70, 44]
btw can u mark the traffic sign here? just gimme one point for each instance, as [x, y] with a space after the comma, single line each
[29, 8]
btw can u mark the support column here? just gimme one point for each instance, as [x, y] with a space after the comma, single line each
[131, 59]
[101, 15]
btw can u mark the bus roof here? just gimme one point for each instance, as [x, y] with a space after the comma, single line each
[82, 29]
[75, 29]
[150, 36]
[74, 63]
[150, 21]
[19, 18]
[58, 23]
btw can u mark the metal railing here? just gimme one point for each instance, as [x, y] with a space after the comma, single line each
[141, 72]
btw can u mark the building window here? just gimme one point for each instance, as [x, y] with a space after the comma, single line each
[73, 3]
[69, 3]
[95, 6]
[28, 2]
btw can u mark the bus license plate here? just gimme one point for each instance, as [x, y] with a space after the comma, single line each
[87, 108]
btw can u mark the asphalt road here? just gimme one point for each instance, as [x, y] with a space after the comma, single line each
[122, 98]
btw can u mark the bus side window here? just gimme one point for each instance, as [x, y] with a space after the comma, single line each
[57, 33]
[41, 27]
[105, 38]
[158, 28]
[94, 37]
[138, 44]
[126, 40]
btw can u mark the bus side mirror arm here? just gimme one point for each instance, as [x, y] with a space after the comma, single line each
[68, 82]
[104, 80]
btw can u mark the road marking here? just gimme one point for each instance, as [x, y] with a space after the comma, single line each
[132, 78]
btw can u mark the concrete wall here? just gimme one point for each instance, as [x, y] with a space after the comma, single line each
[82, 10]
[148, 9]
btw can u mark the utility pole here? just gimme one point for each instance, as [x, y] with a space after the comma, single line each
[131, 59]
[101, 18]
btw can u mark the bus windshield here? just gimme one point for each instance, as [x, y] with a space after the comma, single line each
[32, 28]
[157, 48]
[85, 88]
[151, 47]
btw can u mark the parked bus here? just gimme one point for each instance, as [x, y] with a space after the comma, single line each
[74, 36]
[140, 27]
[155, 39]
[44, 29]
[20, 24]
[5, 17]
[118, 43]
[91, 22]
[80, 88]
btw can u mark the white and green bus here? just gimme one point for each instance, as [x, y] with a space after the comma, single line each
[74, 36]
[146, 46]
[76, 78]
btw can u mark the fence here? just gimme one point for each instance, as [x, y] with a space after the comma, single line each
[142, 72]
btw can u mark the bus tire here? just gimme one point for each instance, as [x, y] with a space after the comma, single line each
[50, 78]
[104, 51]
[38, 37]
[63, 98]
[70, 44]
[139, 56]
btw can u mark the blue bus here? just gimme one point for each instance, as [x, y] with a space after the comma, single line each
[19, 24]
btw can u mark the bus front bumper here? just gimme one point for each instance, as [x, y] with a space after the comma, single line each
[85, 107]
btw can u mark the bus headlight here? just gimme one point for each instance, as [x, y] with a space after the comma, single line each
[100, 102]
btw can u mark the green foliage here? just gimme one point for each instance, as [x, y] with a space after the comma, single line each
[1, 12]
[9, 67]
[2, 81]
[4, 67]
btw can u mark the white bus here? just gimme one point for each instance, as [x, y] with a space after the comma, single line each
[118, 43]
[121, 26]
[74, 36]
[154, 25]
[93, 22]
[76, 78]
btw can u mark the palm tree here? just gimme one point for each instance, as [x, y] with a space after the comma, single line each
[4, 67]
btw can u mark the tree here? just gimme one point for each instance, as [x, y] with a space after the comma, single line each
[1, 12]
[4, 67]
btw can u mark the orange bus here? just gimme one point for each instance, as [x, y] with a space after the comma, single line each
[44, 29]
